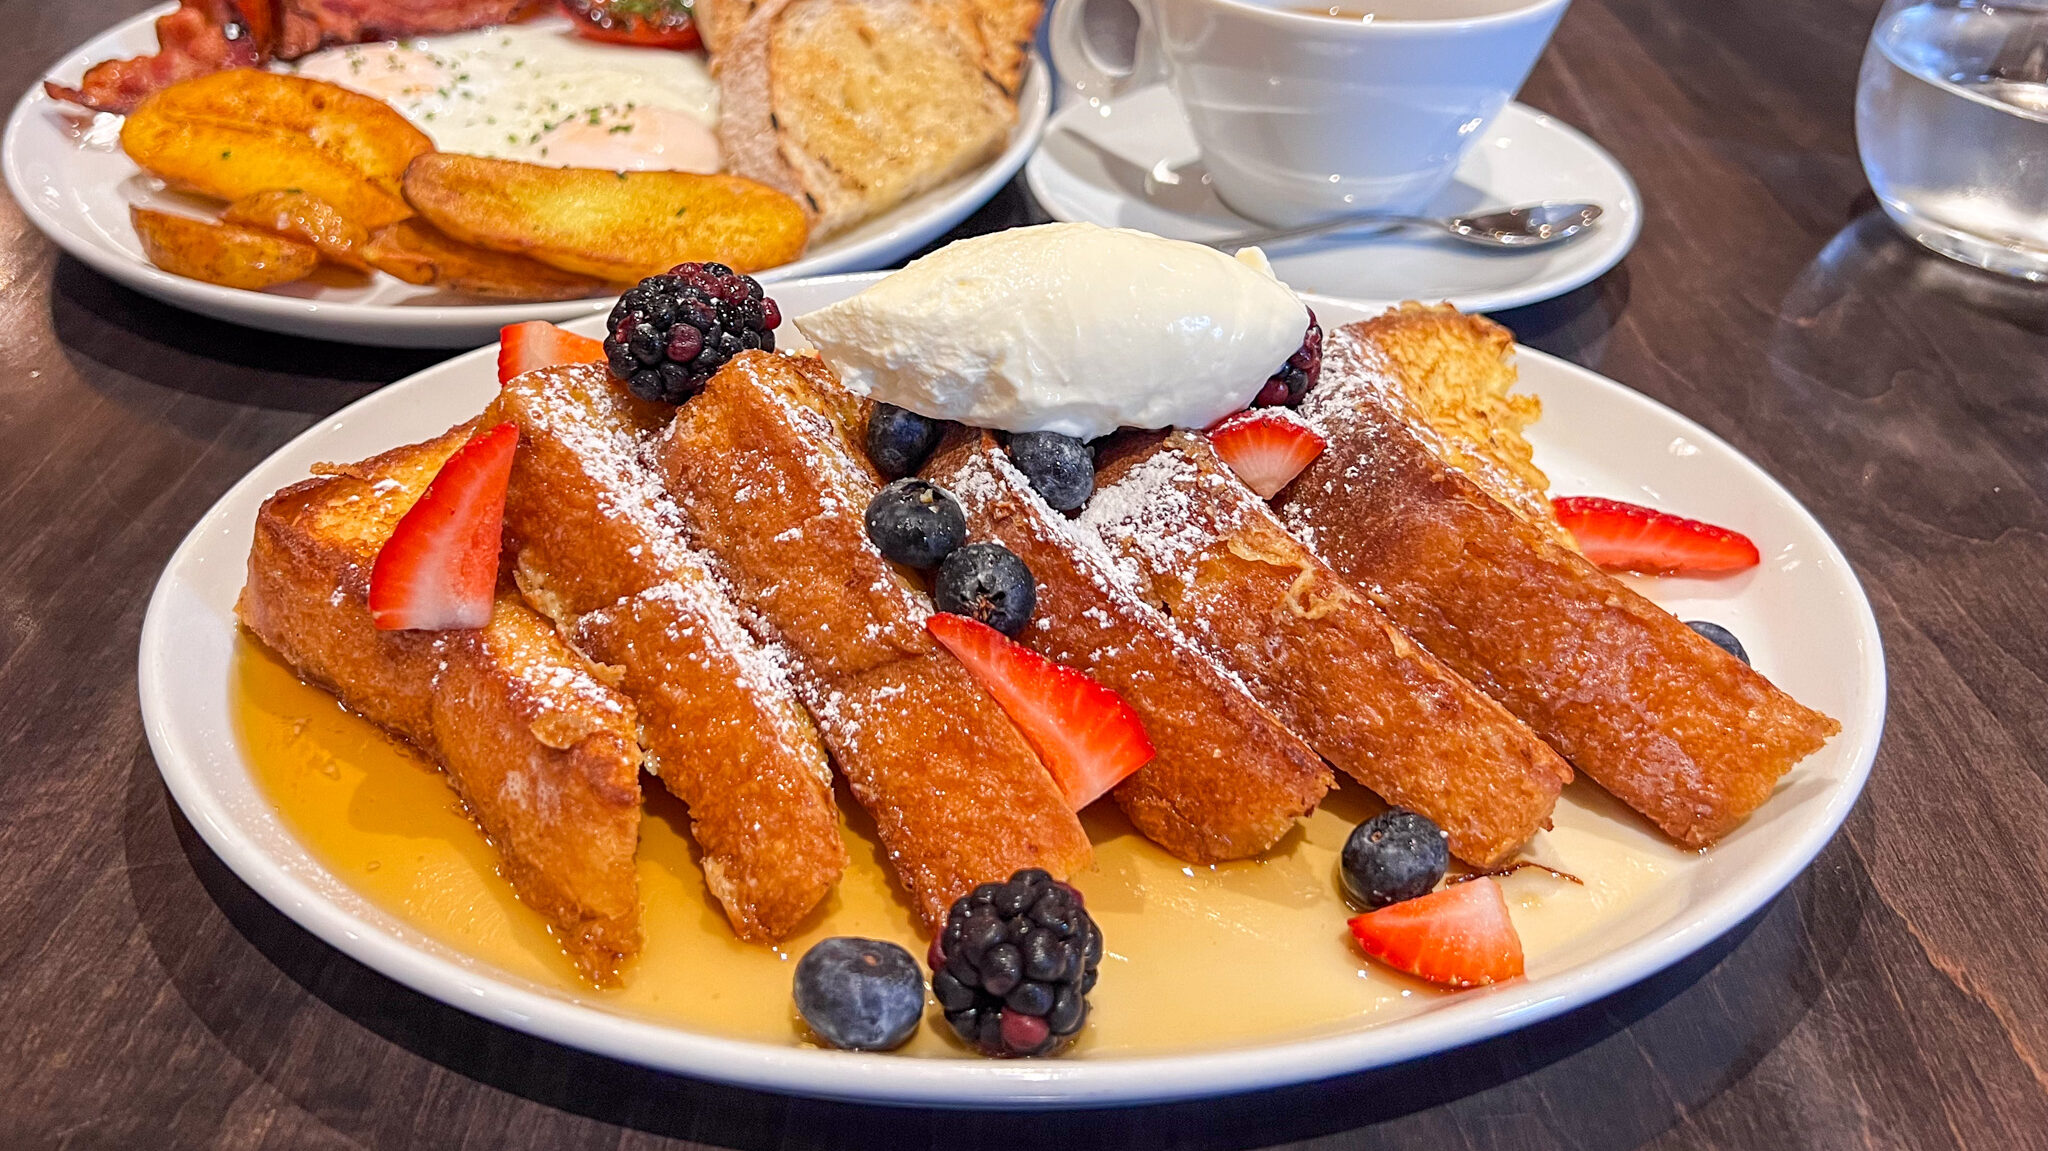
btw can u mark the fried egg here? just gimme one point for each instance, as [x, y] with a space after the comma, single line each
[543, 95]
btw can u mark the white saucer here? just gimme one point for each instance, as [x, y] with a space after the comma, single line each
[1133, 164]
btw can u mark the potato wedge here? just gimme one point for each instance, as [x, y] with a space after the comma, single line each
[230, 161]
[307, 218]
[361, 131]
[418, 254]
[618, 226]
[225, 254]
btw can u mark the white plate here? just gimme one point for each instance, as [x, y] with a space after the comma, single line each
[1133, 164]
[78, 193]
[1802, 614]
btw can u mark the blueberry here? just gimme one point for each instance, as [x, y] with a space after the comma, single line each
[1060, 468]
[1393, 856]
[1720, 636]
[900, 440]
[860, 994]
[915, 522]
[987, 582]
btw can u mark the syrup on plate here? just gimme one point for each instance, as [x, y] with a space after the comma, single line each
[1197, 957]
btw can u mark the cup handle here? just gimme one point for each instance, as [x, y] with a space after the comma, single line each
[1078, 61]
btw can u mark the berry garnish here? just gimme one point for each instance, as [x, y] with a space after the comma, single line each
[439, 569]
[916, 522]
[1087, 736]
[1720, 637]
[1630, 537]
[537, 344]
[1061, 468]
[1014, 965]
[1393, 856]
[988, 583]
[1287, 387]
[1458, 937]
[647, 23]
[670, 333]
[1266, 449]
[900, 440]
[860, 994]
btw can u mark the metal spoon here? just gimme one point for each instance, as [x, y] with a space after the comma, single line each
[1529, 226]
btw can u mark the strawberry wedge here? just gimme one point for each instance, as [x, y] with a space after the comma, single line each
[1629, 537]
[439, 569]
[523, 348]
[1088, 737]
[1266, 447]
[1458, 937]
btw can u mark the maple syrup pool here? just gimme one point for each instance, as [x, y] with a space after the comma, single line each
[1196, 957]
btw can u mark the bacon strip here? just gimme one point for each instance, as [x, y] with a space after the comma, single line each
[201, 37]
[206, 36]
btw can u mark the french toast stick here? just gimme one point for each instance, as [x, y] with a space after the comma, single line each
[1672, 725]
[1228, 780]
[600, 546]
[542, 752]
[777, 493]
[1316, 651]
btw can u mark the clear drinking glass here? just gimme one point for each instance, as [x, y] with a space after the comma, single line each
[1952, 124]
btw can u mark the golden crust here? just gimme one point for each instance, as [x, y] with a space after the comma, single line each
[1228, 780]
[542, 752]
[599, 545]
[1318, 653]
[776, 491]
[1672, 725]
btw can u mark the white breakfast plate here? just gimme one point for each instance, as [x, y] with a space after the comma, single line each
[1802, 614]
[1132, 163]
[67, 171]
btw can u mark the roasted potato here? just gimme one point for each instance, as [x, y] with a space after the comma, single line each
[265, 132]
[618, 226]
[361, 131]
[297, 215]
[226, 254]
[418, 254]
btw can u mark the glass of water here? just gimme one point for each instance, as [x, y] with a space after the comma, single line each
[1952, 123]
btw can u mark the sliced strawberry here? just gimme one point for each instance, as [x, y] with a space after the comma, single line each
[539, 344]
[439, 569]
[1266, 448]
[1621, 535]
[1458, 937]
[1089, 738]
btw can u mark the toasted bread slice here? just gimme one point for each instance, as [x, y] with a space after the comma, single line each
[777, 493]
[599, 545]
[854, 106]
[1317, 652]
[543, 753]
[1672, 725]
[1228, 780]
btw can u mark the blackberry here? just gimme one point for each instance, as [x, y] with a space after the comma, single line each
[1061, 468]
[1393, 856]
[1720, 637]
[900, 440]
[669, 333]
[987, 582]
[1300, 373]
[1013, 968]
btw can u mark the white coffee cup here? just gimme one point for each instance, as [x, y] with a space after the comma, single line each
[1304, 117]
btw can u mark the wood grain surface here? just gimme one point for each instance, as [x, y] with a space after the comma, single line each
[1892, 998]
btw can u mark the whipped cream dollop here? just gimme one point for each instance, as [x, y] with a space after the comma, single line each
[1069, 328]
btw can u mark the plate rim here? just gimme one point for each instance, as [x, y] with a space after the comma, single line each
[958, 1084]
[351, 322]
[1502, 299]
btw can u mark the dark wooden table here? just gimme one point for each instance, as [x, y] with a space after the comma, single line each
[1892, 998]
